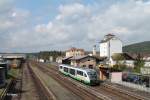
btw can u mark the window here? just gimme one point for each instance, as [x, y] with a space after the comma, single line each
[85, 75]
[65, 69]
[60, 67]
[72, 71]
[92, 75]
[91, 66]
[80, 73]
[84, 65]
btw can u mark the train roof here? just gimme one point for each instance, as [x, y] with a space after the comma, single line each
[79, 68]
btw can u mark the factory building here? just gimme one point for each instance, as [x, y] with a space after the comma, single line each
[110, 45]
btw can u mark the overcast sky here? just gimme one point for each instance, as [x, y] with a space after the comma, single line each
[38, 25]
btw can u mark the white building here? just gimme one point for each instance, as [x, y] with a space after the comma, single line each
[146, 68]
[94, 50]
[110, 45]
[59, 60]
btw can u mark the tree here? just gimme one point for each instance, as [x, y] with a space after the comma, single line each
[46, 54]
[120, 62]
[139, 62]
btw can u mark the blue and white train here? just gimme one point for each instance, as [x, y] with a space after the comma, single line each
[87, 76]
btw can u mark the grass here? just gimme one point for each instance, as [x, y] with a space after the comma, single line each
[13, 73]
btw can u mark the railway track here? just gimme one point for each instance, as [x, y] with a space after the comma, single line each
[43, 92]
[117, 91]
[76, 89]
[111, 92]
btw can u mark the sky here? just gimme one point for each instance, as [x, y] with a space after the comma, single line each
[44, 25]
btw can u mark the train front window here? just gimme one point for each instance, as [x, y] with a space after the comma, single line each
[92, 75]
[65, 69]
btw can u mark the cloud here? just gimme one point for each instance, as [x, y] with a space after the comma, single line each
[5, 5]
[79, 24]
[76, 24]
[12, 22]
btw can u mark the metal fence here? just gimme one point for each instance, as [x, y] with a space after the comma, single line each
[137, 81]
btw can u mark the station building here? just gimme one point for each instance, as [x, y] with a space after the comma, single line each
[85, 61]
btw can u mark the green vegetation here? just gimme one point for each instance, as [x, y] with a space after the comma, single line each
[120, 63]
[13, 73]
[142, 47]
[139, 62]
[46, 54]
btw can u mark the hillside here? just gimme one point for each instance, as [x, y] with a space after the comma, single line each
[143, 47]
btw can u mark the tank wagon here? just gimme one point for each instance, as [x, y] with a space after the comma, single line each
[84, 75]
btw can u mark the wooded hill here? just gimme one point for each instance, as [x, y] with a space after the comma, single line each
[142, 47]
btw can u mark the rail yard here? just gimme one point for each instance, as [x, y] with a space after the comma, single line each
[75, 50]
[43, 81]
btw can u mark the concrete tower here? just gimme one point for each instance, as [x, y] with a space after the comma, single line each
[94, 50]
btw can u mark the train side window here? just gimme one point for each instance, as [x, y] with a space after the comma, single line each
[72, 71]
[65, 69]
[85, 75]
[80, 73]
[60, 67]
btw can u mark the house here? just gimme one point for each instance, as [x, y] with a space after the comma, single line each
[67, 60]
[85, 61]
[59, 60]
[109, 45]
[75, 52]
[122, 58]
[146, 59]
[40, 60]
[118, 58]
[146, 69]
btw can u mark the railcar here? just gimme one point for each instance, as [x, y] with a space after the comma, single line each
[85, 75]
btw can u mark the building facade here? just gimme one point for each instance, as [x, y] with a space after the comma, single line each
[109, 45]
[85, 61]
[75, 52]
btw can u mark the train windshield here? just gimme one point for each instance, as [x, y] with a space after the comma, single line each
[92, 75]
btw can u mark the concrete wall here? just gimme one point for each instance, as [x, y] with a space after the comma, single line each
[115, 46]
[104, 49]
[116, 77]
